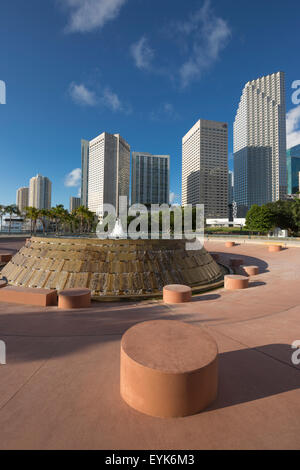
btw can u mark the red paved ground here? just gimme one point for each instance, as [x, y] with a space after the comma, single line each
[60, 387]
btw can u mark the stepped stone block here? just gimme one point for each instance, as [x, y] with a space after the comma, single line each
[28, 296]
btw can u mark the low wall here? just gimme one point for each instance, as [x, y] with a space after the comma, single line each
[292, 242]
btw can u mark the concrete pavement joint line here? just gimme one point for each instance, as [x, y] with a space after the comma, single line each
[25, 383]
[255, 348]
[267, 315]
[64, 336]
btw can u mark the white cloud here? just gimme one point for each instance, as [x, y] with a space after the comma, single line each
[142, 53]
[82, 95]
[209, 35]
[111, 100]
[174, 199]
[73, 179]
[87, 15]
[293, 127]
[165, 112]
[200, 38]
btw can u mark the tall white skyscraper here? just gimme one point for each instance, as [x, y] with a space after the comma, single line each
[22, 198]
[40, 192]
[150, 178]
[85, 146]
[260, 143]
[109, 171]
[205, 167]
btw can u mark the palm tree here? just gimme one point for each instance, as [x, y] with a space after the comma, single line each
[11, 210]
[2, 212]
[43, 215]
[32, 214]
[80, 212]
[57, 214]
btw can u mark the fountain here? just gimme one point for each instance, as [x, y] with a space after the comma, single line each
[112, 269]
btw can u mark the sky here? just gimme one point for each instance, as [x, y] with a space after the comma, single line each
[147, 69]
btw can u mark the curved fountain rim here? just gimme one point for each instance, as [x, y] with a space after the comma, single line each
[111, 241]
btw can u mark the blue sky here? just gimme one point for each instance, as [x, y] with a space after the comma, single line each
[148, 69]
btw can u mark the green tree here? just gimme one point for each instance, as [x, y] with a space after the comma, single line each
[11, 210]
[32, 214]
[259, 219]
[2, 212]
[43, 216]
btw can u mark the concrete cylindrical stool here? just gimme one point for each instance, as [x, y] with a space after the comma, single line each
[275, 248]
[250, 270]
[177, 294]
[236, 262]
[74, 298]
[168, 368]
[215, 256]
[233, 282]
[5, 257]
[229, 244]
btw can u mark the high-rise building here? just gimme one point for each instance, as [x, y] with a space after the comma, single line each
[22, 198]
[260, 143]
[150, 178]
[109, 171]
[75, 202]
[293, 169]
[205, 167]
[40, 192]
[84, 172]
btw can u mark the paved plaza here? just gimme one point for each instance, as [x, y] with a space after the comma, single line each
[60, 387]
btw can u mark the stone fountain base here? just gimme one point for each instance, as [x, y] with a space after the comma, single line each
[112, 269]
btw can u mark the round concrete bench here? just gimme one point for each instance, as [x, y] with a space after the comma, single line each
[233, 282]
[275, 248]
[5, 257]
[229, 244]
[177, 294]
[3, 283]
[168, 368]
[236, 262]
[74, 298]
[215, 256]
[250, 270]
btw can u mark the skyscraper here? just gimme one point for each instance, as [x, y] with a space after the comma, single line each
[40, 192]
[109, 171]
[84, 172]
[293, 169]
[260, 143]
[205, 167]
[150, 175]
[22, 198]
[75, 202]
